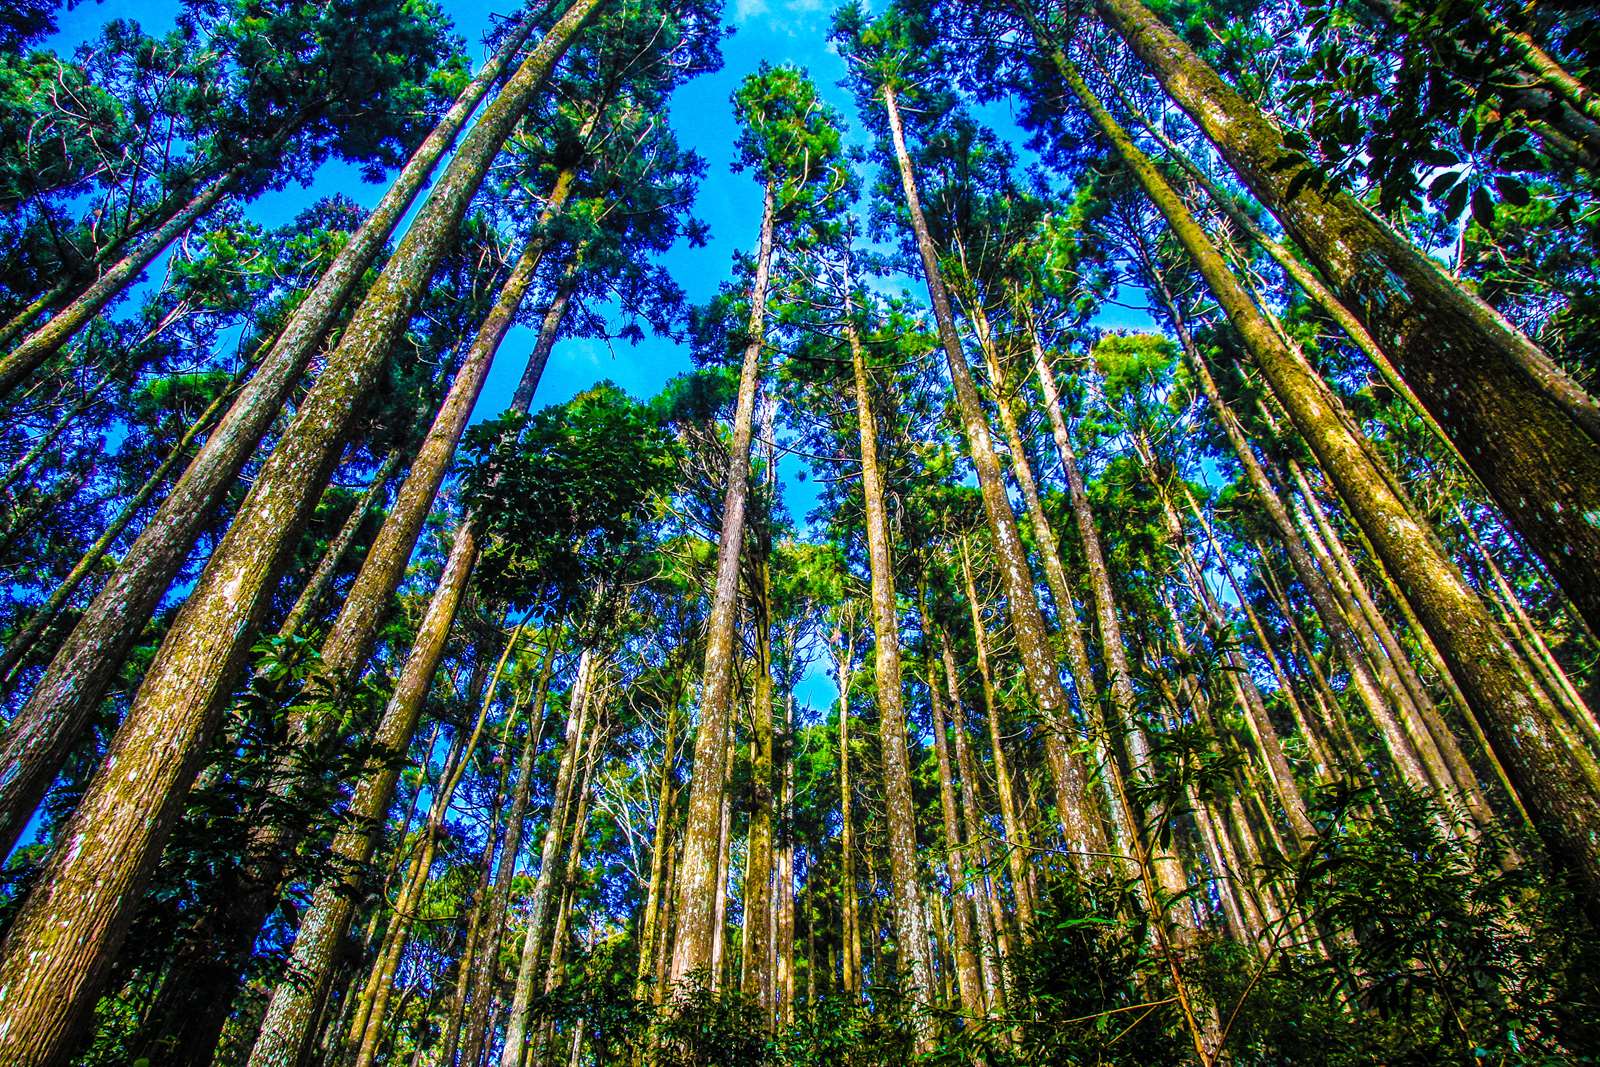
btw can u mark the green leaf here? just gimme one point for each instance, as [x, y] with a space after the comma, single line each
[1511, 190]
[1482, 207]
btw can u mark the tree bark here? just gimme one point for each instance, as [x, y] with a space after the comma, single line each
[1554, 779]
[371, 1033]
[1018, 840]
[1527, 430]
[1080, 820]
[756, 950]
[969, 980]
[697, 870]
[54, 716]
[849, 901]
[991, 959]
[899, 808]
[479, 992]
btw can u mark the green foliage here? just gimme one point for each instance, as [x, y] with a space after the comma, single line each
[566, 496]
[1441, 949]
[791, 138]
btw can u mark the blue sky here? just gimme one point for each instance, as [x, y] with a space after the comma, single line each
[775, 31]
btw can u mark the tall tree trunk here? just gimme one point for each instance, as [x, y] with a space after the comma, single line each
[849, 898]
[1554, 779]
[990, 959]
[49, 981]
[479, 993]
[405, 910]
[1539, 655]
[1380, 693]
[555, 966]
[756, 948]
[477, 934]
[220, 951]
[17, 649]
[551, 855]
[58, 951]
[1124, 720]
[1528, 431]
[1316, 745]
[33, 350]
[1352, 752]
[291, 1014]
[785, 884]
[899, 809]
[1018, 841]
[719, 901]
[1429, 734]
[696, 874]
[1262, 730]
[651, 921]
[969, 979]
[1080, 818]
[1092, 710]
[47, 726]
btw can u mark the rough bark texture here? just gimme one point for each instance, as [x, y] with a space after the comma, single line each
[1380, 694]
[1527, 430]
[45, 729]
[1552, 777]
[31, 353]
[697, 872]
[551, 867]
[1080, 820]
[405, 908]
[269, 852]
[899, 809]
[651, 920]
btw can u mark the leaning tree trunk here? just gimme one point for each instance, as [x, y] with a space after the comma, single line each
[216, 956]
[899, 808]
[17, 649]
[1527, 430]
[60, 947]
[33, 350]
[1018, 841]
[551, 873]
[1379, 693]
[1079, 815]
[1092, 710]
[1553, 778]
[405, 908]
[479, 991]
[969, 979]
[1124, 718]
[697, 872]
[48, 725]
[991, 958]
